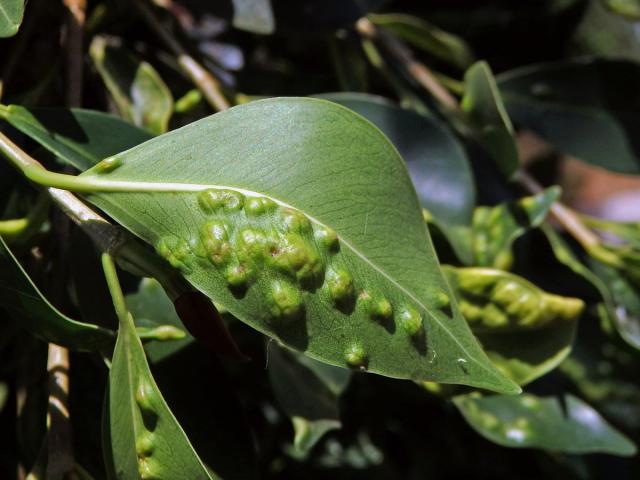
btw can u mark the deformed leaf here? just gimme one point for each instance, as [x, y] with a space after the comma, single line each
[565, 425]
[137, 89]
[152, 308]
[525, 331]
[277, 211]
[308, 396]
[79, 137]
[437, 162]
[585, 107]
[482, 104]
[11, 13]
[144, 440]
[254, 16]
[24, 302]
[441, 44]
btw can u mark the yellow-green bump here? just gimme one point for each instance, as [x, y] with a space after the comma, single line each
[295, 221]
[411, 321]
[297, 258]
[214, 239]
[177, 252]
[327, 238]
[145, 444]
[255, 206]
[339, 286]
[356, 356]
[378, 308]
[144, 396]
[214, 199]
[239, 276]
[284, 300]
[108, 165]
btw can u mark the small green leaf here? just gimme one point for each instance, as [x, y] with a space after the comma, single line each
[144, 438]
[527, 421]
[140, 94]
[437, 162]
[421, 34]
[627, 8]
[22, 299]
[299, 218]
[11, 13]
[621, 301]
[79, 137]
[486, 113]
[309, 396]
[152, 308]
[525, 331]
[254, 16]
[586, 108]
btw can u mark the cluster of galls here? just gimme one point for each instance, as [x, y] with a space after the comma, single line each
[146, 400]
[275, 238]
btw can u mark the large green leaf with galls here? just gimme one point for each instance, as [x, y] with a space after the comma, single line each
[143, 438]
[586, 107]
[298, 216]
[79, 137]
[11, 12]
[21, 298]
[566, 425]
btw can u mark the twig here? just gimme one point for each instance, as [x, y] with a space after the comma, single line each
[201, 77]
[75, 30]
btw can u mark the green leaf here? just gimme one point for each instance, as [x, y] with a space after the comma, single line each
[309, 396]
[627, 8]
[254, 16]
[144, 438]
[298, 217]
[11, 12]
[584, 107]
[527, 421]
[437, 162]
[421, 34]
[525, 331]
[486, 113]
[152, 308]
[79, 137]
[137, 89]
[22, 300]
[621, 301]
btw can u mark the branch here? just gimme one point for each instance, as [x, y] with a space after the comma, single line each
[201, 77]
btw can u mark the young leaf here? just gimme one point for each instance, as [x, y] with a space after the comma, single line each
[23, 301]
[299, 218]
[11, 12]
[79, 137]
[525, 331]
[486, 113]
[144, 438]
[309, 396]
[139, 92]
[621, 301]
[584, 107]
[527, 421]
[437, 162]
[151, 307]
[441, 44]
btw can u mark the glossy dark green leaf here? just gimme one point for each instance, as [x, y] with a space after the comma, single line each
[254, 16]
[565, 425]
[525, 331]
[306, 244]
[486, 113]
[621, 301]
[152, 308]
[80, 137]
[627, 8]
[309, 396]
[584, 107]
[436, 160]
[145, 439]
[11, 12]
[137, 89]
[421, 34]
[22, 299]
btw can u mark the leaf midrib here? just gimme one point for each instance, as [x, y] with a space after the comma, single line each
[151, 187]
